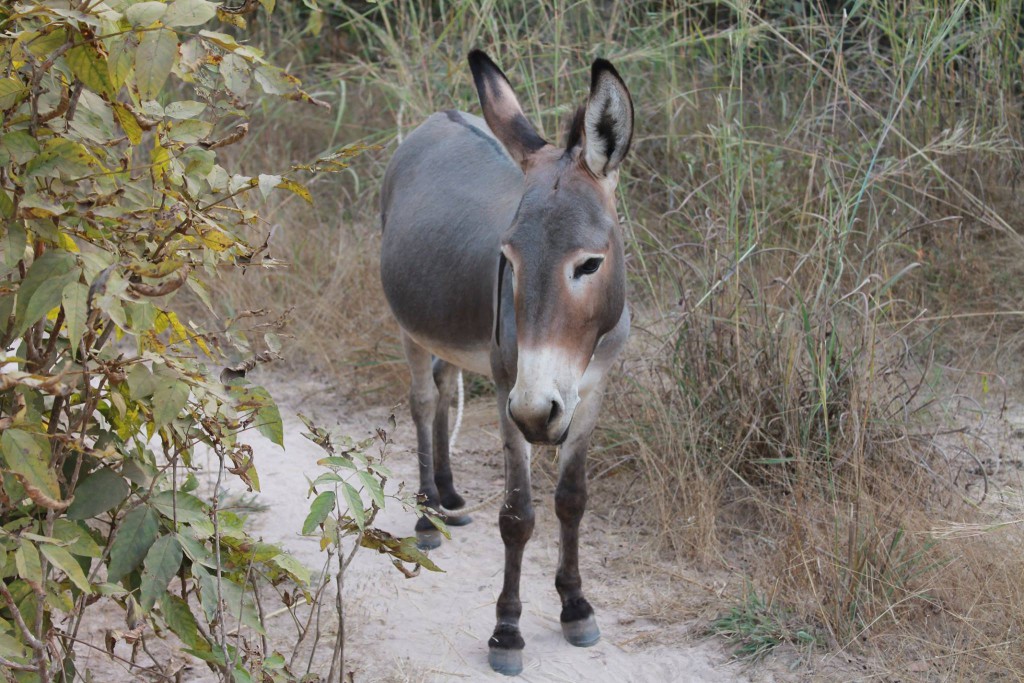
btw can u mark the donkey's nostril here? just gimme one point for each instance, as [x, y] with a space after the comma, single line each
[556, 410]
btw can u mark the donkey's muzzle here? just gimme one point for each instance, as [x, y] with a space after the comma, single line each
[543, 421]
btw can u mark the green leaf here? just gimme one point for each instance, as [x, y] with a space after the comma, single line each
[198, 161]
[102, 490]
[15, 242]
[275, 81]
[319, 510]
[189, 508]
[197, 551]
[293, 567]
[63, 560]
[42, 288]
[162, 563]
[120, 59]
[141, 382]
[7, 208]
[134, 539]
[76, 535]
[74, 299]
[11, 92]
[336, 462]
[154, 59]
[179, 618]
[20, 145]
[189, 131]
[189, 13]
[184, 109]
[267, 183]
[26, 560]
[169, 399]
[372, 485]
[268, 422]
[42, 44]
[12, 648]
[237, 601]
[355, 504]
[326, 478]
[145, 13]
[28, 455]
[61, 156]
[236, 74]
[142, 315]
[94, 119]
[90, 66]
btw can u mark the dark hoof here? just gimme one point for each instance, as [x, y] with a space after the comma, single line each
[506, 650]
[507, 662]
[457, 520]
[583, 633]
[428, 539]
[453, 501]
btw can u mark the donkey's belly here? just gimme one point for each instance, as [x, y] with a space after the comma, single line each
[473, 359]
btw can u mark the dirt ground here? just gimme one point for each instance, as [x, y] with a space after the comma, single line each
[435, 627]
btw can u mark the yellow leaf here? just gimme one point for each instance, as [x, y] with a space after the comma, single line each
[292, 186]
[178, 331]
[215, 239]
[90, 67]
[128, 122]
[160, 159]
[236, 20]
[67, 243]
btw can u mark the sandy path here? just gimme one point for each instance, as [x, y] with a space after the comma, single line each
[435, 627]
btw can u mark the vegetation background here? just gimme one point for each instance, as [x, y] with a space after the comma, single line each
[824, 238]
[823, 224]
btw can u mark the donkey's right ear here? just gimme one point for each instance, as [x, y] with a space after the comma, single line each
[502, 112]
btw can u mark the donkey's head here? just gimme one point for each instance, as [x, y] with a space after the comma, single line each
[564, 245]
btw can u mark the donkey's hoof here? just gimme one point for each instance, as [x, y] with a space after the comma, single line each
[453, 501]
[428, 539]
[507, 662]
[452, 519]
[582, 633]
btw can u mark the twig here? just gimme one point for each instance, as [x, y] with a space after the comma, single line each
[222, 639]
[15, 666]
[148, 669]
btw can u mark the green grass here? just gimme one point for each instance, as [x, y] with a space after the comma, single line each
[755, 628]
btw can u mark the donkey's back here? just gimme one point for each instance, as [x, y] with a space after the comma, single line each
[449, 192]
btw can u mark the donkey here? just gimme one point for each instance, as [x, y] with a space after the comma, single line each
[502, 254]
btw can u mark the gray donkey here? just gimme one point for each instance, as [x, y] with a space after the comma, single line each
[502, 254]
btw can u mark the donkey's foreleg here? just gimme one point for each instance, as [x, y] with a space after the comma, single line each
[516, 524]
[578, 624]
[445, 375]
[423, 399]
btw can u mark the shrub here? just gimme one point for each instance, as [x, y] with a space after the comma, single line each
[114, 202]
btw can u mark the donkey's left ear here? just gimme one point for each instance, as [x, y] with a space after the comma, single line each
[608, 122]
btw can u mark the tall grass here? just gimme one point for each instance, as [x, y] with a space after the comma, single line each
[812, 197]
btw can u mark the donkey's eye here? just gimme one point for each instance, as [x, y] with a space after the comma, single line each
[588, 267]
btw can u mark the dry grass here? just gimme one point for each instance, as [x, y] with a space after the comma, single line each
[824, 233]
